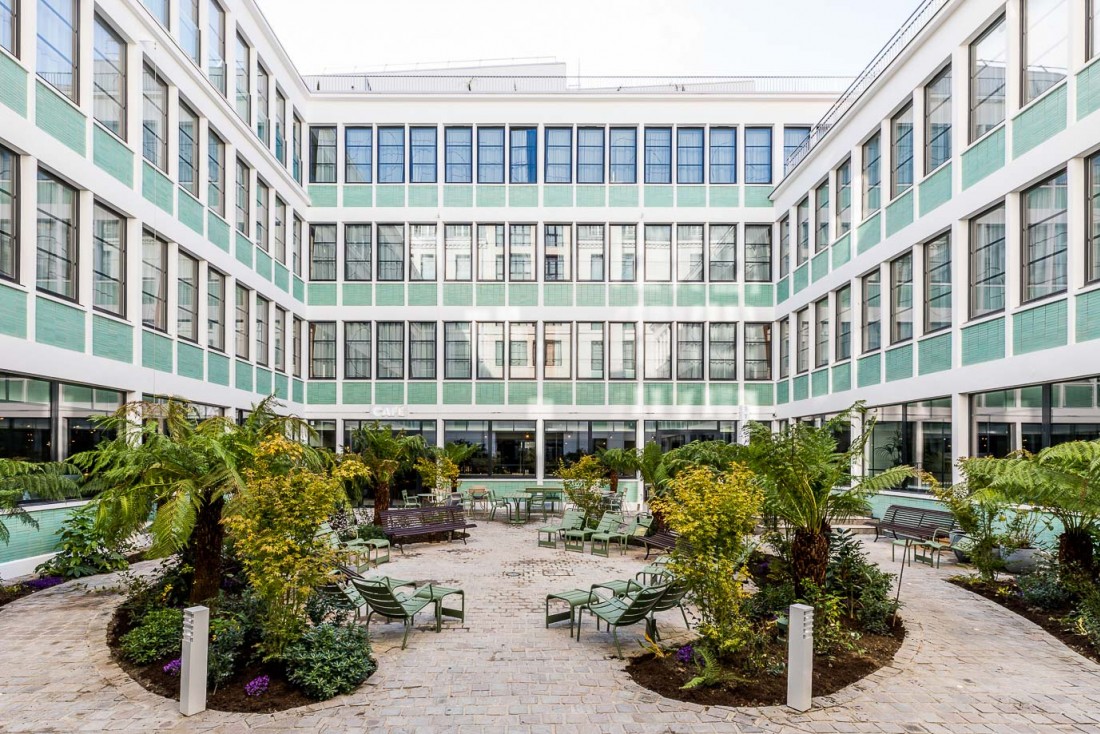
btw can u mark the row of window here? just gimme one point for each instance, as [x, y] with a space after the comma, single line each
[582, 252]
[586, 154]
[493, 350]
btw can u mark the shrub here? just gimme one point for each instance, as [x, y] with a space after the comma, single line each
[329, 660]
[863, 587]
[829, 633]
[1043, 588]
[1086, 617]
[581, 481]
[372, 532]
[227, 636]
[328, 606]
[159, 635]
[84, 550]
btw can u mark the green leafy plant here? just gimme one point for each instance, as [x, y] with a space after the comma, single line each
[829, 633]
[711, 672]
[22, 480]
[1044, 588]
[438, 473]
[619, 463]
[864, 589]
[581, 482]
[978, 514]
[386, 453]
[329, 660]
[371, 532]
[158, 636]
[227, 638]
[84, 549]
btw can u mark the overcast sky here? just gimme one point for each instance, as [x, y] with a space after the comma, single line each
[598, 37]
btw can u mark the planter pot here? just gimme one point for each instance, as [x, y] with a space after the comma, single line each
[960, 544]
[1023, 560]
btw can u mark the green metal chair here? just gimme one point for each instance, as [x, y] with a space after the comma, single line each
[407, 501]
[497, 502]
[654, 570]
[386, 601]
[601, 542]
[624, 612]
[574, 539]
[571, 520]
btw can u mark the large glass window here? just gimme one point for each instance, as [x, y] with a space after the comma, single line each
[624, 155]
[623, 340]
[358, 155]
[793, 139]
[658, 155]
[391, 155]
[987, 262]
[357, 252]
[263, 105]
[422, 252]
[215, 159]
[802, 351]
[391, 350]
[674, 434]
[723, 351]
[189, 29]
[872, 176]
[280, 230]
[901, 151]
[1045, 45]
[490, 155]
[154, 282]
[422, 350]
[57, 237]
[263, 316]
[784, 348]
[590, 350]
[758, 155]
[280, 339]
[521, 252]
[658, 253]
[244, 80]
[490, 252]
[872, 311]
[689, 253]
[689, 351]
[937, 284]
[557, 350]
[512, 448]
[844, 323]
[263, 209]
[457, 246]
[821, 217]
[758, 351]
[244, 203]
[988, 64]
[522, 346]
[422, 154]
[25, 428]
[9, 29]
[457, 350]
[490, 350]
[937, 121]
[1045, 238]
[590, 252]
[189, 150]
[1092, 235]
[784, 246]
[475, 434]
[559, 155]
[322, 155]
[391, 252]
[154, 118]
[624, 252]
[108, 261]
[523, 155]
[296, 149]
[590, 155]
[844, 198]
[658, 351]
[9, 214]
[458, 143]
[758, 253]
[215, 310]
[901, 298]
[296, 246]
[215, 46]
[821, 342]
[689, 155]
[802, 226]
[723, 253]
[296, 346]
[322, 252]
[557, 244]
[322, 350]
[567, 441]
[187, 298]
[159, 9]
[109, 80]
[58, 45]
[723, 155]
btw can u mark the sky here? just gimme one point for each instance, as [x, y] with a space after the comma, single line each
[593, 37]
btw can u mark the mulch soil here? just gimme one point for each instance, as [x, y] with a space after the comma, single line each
[8, 594]
[666, 675]
[1007, 594]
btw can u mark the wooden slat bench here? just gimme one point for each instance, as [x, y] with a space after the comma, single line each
[914, 523]
[660, 541]
[399, 524]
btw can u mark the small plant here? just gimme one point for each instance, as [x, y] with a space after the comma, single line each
[1043, 588]
[371, 531]
[159, 635]
[173, 666]
[686, 654]
[711, 673]
[328, 661]
[227, 636]
[257, 686]
[329, 606]
[829, 633]
[85, 550]
[649, 645]
[581, 482]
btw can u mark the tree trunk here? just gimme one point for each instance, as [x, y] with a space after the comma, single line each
[381, 501]
[206, 551]
[613, 480]
[1075, 551]
[809, 558]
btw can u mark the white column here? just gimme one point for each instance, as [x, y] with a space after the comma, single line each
[961, 438]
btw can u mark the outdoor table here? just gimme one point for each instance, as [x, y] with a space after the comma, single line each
[520, 501]
[549, 494]
[426, 499]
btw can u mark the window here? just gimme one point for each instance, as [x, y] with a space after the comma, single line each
[296, 143]
[422, 154]
[901, 298]
[357, 255]
[723, 253]
[459, 152]
[244, 176]
[490, 350]
[758, 351]
[263, 314]
[557, 244]
[215, 44]
[189, 151]
[521, 350]
[872, 311]
[296, 346]
[937, 284]
[322, 350]
[689, 351]
[844, 323]
[521, 252]
[154, 282]
[280, 339]
[1092, 233]
[56, 237]
[559, 155]
[280, 126]
[457, 246]
[187, 298]
[322, 252]
[1092, 29]
[215, 310]
[802, 347]
[9, 214]
[821, 344]
[109, 80]
[689, 253]
[590, 351]
[1045, 238]
[658, 351]
[490, 155]
[784, 246]
[901, 151]
[244, 80]
[802, 225]
[159, 9]
[391, 155]
[263, 105]
[758, 253]
[9, 24]
[624, 252]
[658, 155]
[557, 343]
[322, 155]
[723, 155]
[58, 45]
[422, 252]
[280, 230]
[391, 252]
[215, 189]
[793, 140]
[590, 252]
[987, 262]
[784, 348]
[723, 351]
[624, 155]
[872, 176]
[988, 63]
[758, 155]
[590, 155]
[457, 350]
[689, 155]
[189, 29]
[1045, 46]
[821, 217]
[154, 118]
[296, 246]
[937, 121]
[624, 351]
[358, 150]
[844, 198]
[524, 155]
[357, 356]
[263, 209]
[490, 252]
[658, 253]
[108, 261]
[422, 350]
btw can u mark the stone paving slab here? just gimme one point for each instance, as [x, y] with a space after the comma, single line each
[967, 666]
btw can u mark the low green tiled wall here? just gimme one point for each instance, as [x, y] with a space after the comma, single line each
[869, 233]
[758, 196]
[13, 304]
[1041, 121]
[1088, 316]
[111, 154]
[157, 188]
[983, 342]
[353, 294]
[1088, 90]
[322, 195]
[112, 339]
[13, 85]
[869, 370]
[59, 119]
[983, 158]
[819, 266]
[28, 541]
[658, 195]
[1042, 327]
[899, 363]
[842, 377]
[190, 360]
[899, 213]
[759, 393]
[58, 325]
[934, 354]
[355, 195]
[842, 250]
[935, 190]
[156, 351]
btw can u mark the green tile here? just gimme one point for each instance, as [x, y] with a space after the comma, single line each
[622, 195]
[321, 393]
[782, 392]
[111, 154]
[490, 294]
[358, 195]
[282, 277]
[458, 294]
[217, 231]
[691, 294]
[217, 368]
[299, 288]
[263, 263]
[523, 294]
[801, 278]
[899, 213]
[13, 85]
[691, 393]
[557, 393]
[157, 188]
[842, 250]
[523, 195]
[190, 360]
[622, 294]
[934, 354]
[936, 189]
[557, 294]
[729, 196]
[658, 195]
[282, 387]
[458, 195]
[356, 393]
[191, 212]
[13, 304]
[490, 393]
[389, 195]
[389, 393]
[523, 393]
[1042, 327]
[58, 324]
[591, 196]
[622, 393]
[819, 266]
[869, 370]
[1044, 119]
[983, 342]
[842, 377]
[422, 393]
[591, 393]
[557, 195]
[869, 234]
[592, 294]
[801, 389]
[658, 294]
[1088, 89]
[322, 294]
[899, 363]
[298, 391]
[156, 351]
[1088, 316]
[114, 339]
[423, 294]
[423, 195]
[389, 294]
[356, 294]
[983, 158]
[242, 375]
[727, 294]
[722, 393]
[819, 382]
[458, 393]
[59, 119]
[758, 197]
[658, 393]
[690, 196]
[782, 290]
[263, 382]
[243, 249]
[490, 195]
[322, 195]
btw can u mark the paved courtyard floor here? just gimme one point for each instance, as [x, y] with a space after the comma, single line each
[966, 666]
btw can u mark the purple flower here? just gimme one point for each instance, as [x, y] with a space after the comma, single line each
[172, 667]
[257, 686]
[685, 654]
[43, 583]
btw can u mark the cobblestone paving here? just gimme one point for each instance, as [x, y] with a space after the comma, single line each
[967, 665]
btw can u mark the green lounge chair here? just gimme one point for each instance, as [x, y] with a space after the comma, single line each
[571, 520]
[624, 612]
[654, 570]
[386, 601]
[601, 542]
[672, 599]
[497, 502]
[574, 539]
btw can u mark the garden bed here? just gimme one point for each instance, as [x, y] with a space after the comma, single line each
[666, 675]
[1007, 594]
[8, 594]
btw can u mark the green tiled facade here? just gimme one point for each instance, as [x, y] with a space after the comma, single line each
[869, 370]
[983, 342]
[983, 158]
[842, 250]
[13, 85]
[156, 351]
[157, 188]
[899, 363]
[190, 360]
[934, 354]
[13, 304]
[869, 233]
[1042, 327]
[58, 118]
[355, 195]
[556, 393]
[842, 377]
[899, 213]
[112, 339]
[58, 325]
[1042, 120]
[936, 189]
[759, 393]
[112, 155]
[389, 393]
[1088, 316]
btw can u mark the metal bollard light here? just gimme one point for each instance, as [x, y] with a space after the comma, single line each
[196, 643]
[800, 657]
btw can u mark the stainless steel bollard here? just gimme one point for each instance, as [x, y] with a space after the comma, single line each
[800, 657]
[196, 643]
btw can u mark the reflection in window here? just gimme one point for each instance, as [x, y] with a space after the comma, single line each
[988, 55]
[1046, 238]
[1045, 46]
[987, 262]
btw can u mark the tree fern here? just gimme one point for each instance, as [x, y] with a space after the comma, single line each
[23, 480]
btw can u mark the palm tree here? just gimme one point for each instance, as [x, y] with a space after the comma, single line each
[458, 452]
[619, 463]
[809, 485]
[385, 453]
[22, 479]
